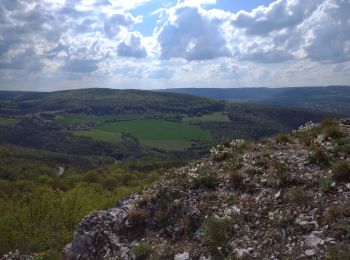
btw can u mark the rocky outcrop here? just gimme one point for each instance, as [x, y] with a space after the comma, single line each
[284, 197]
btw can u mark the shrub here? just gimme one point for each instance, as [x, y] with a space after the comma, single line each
[325, 185]
[281, 176]
[333, 213]
[299, 196]
[328, 122]
[138, 216]
[319, 156]
[341, 171]
[306, 137]
[167, 252]
[236, 179]
[142, 251]
[207, 179]
[216, 234]
[283, 138]
[264, 140]
[338, 252]
[212, 196]
[334, 132]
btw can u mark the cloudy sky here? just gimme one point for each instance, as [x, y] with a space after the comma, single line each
[148, 44]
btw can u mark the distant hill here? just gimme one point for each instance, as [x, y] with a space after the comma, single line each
[335, 99]
[106, 101]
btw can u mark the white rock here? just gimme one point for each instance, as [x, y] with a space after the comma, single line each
[310, 252]
[347, 186]
[183, 256]
[236, 210]
[278, 194]
[313, 240]
[242, 253]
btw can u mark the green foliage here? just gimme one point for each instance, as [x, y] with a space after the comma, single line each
[142, 251]
[325, 185]
[155, 133]
[207, 179]
[40, 215]
[341, 171]
[299, 196]
[333, 131]
[280, 177]
[211, 196]
[216, 235]
[214, 117]
[319, 156]
[236, 179]
[338, 252]
[283, 138]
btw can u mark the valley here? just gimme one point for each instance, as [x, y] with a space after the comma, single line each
[93, 147]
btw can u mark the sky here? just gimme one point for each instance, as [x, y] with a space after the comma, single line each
[48, 45]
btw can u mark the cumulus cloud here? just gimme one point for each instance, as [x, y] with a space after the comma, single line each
[278, 15]
[192, 40]
[192, 33]
[80, 66]
[114, 24]
[132, 48]
[327, 32]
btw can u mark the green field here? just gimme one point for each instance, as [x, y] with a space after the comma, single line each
[112, 137]
[83, 119]
[5, 121]
[214, 117]
[154, 133]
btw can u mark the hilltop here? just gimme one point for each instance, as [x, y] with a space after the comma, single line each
[283, 197]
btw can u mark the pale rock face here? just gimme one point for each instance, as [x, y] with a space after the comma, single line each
[183, 256]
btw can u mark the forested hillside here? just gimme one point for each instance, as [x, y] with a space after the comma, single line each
[334, 99]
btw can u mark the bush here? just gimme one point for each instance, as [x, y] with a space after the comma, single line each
[338, 252]
[212, 196]
[334, 132]
[334, 213]
[281, 176]
[142, 251]
[207, 179]
[299, 196]
[138, 216]
[325, 185]
[283, 139]
[319, 156]
[236, 179]
[216, 234]
[341, 171]
[328, 122]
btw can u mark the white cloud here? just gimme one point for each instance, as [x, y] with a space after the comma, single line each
[132, 48]
[193, 43]
[192, 33]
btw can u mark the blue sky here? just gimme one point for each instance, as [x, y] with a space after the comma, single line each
[151, 44]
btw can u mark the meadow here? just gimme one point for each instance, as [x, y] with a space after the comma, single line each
[150, 132]
[5, 121]
[214, 117]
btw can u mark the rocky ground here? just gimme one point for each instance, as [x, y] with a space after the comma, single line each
[286, 197]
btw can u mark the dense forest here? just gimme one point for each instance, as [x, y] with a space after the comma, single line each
[334, 99]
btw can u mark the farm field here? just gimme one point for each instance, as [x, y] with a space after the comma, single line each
[214, 117]
[83, 119]
[154, 133]
[112, 137]
[5, 121]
